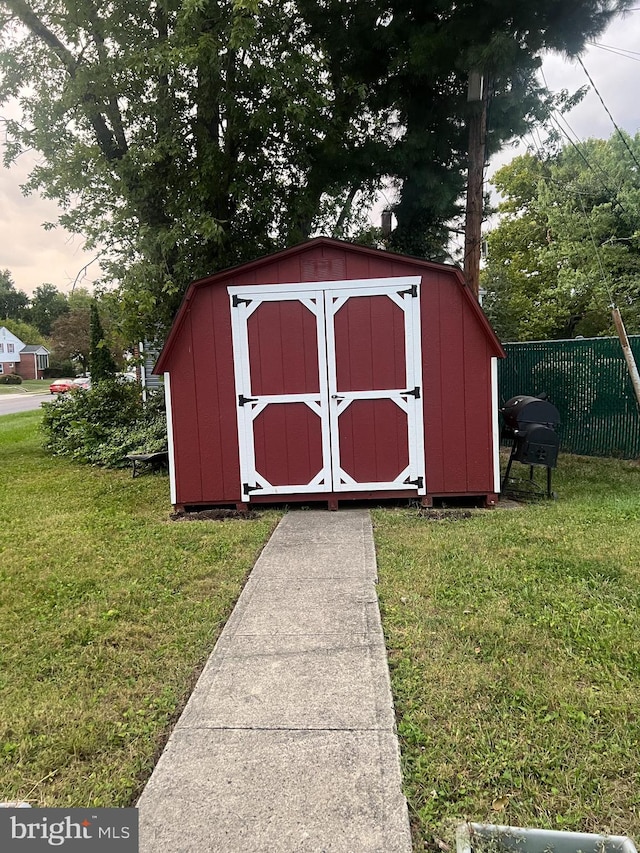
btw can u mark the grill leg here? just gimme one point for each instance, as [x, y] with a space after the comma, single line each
[549, 483]
[505, 479]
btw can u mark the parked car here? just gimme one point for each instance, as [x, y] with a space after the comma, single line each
[82, 382]
[61, 386]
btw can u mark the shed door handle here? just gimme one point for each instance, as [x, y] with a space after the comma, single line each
[336, 397]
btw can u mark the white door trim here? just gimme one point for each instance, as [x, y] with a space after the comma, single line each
[495, 406]
[270, 292]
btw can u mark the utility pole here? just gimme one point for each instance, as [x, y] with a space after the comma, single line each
[627, 351]
[477, 96]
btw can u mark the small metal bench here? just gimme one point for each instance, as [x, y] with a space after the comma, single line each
[159, 459]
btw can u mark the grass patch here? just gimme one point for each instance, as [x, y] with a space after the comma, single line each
[40, 386]
[107, 612]
[514, 648]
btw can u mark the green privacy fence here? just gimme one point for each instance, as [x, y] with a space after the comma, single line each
[587, 380]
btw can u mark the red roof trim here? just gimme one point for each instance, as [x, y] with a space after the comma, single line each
[303, 247]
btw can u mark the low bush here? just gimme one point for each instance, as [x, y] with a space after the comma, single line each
[58, 370]
[10, 379]
[104, 423]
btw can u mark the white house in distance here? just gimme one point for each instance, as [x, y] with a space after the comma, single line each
[27, 360]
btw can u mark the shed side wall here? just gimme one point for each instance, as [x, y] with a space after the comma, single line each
[457, 392]
[203, 398]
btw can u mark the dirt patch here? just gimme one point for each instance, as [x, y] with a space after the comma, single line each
[214, 515]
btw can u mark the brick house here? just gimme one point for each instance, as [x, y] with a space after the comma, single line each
[27, 360]
[34, 360]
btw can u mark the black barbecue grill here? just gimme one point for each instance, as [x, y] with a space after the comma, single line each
[531, 423]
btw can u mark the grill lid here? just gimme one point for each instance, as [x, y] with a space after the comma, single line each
[523, 409]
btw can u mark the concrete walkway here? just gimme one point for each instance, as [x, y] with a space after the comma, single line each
[288, 740]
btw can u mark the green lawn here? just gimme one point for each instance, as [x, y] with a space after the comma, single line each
[107, 611]
[32, 385]
[514, 644]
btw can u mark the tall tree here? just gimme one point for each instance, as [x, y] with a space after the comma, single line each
[101, 361]
[79, 298]
[47, 304]
[14, 304]
[568, 243]
[188, 135]
[70, 337]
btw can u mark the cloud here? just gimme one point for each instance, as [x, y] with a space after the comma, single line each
[616, 77]
[32, 254]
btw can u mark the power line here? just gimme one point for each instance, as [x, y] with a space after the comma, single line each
[614, 47]
[576, 143]
[613, 121]
[632, 55]
[597, 168]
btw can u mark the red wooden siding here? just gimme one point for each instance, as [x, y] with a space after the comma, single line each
[204, 403]
[368, 424]
[283, 349]
[288, 441]
[370, 344]
[457, 392]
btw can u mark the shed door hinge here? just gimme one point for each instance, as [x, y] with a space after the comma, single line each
[236, 300]
[242, 400]
[412, 291]
[414, 393]
[419, 482]
[246, 488]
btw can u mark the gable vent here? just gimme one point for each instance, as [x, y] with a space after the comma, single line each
[324, 269]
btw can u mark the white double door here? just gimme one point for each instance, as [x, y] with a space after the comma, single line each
[329, 386]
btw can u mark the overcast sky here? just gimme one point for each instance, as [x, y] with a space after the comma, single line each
[35, 256]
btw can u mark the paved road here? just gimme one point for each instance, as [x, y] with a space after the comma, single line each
[12, 403]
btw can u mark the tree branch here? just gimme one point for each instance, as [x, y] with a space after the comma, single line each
[104, 136]
[113, 110]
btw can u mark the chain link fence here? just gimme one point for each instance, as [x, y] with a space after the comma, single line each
[587, 380]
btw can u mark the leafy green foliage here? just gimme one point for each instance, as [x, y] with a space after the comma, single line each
[13, 303]
[101, 361]
[27, 333]
[10, 379]
[46, 305]
[568, 243]
[104, 423]
[215, 131]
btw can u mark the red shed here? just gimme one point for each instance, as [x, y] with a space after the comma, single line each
[331, 371]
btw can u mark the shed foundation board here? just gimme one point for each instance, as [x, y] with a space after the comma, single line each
[344, 499]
